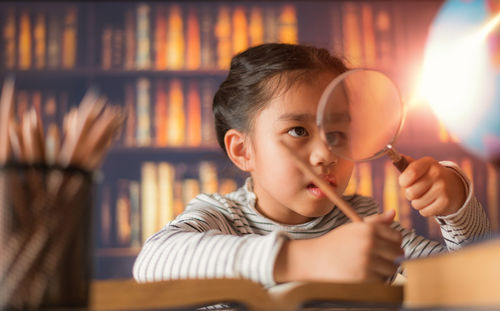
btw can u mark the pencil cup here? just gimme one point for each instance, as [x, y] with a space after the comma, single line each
[45, 228]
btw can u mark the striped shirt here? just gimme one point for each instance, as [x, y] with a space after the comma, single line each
[225, 236]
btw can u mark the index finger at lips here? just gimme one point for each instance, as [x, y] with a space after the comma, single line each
[414, 171]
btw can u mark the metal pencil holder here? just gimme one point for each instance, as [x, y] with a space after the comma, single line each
[45, 233]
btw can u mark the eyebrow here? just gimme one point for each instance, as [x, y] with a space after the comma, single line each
[304, 117]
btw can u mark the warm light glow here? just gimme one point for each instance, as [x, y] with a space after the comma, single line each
[456, 78]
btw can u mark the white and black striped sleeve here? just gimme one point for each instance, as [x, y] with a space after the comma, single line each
[201, 243]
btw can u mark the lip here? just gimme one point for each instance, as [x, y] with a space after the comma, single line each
[315, 191]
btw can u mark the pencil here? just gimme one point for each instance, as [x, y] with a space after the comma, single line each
[324, 186]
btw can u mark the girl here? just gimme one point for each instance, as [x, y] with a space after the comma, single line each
[279, 226]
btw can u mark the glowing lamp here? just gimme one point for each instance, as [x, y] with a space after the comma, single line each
[461, 73]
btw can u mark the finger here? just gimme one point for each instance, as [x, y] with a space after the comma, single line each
[383, 268]
[387, 233]
[428, 198]
[418, 189]
[388, 250]
[387, 217]
[435, 208]
[415, 170]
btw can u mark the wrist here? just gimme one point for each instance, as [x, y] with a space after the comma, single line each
[289, 262]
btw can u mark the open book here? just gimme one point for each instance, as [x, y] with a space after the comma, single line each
[190, 294]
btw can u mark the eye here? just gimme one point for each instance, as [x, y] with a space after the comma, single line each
[336, 138]
[298, 131]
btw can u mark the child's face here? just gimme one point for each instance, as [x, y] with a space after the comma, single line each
[283, 192]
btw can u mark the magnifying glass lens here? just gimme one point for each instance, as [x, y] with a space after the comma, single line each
[360, 114]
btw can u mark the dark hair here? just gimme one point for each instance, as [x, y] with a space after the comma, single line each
[256, 75]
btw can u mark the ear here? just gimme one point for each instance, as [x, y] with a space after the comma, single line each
[238, 149]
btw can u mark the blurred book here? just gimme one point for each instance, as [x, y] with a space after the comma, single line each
[24, 42]
[160, 37]
[193, 46]
[208, 177]
[222, 31]
[143, 41]
[166, 180]
[161, 113]
[239, 30]
[149, 199]
[40, 39]
[176, 115]
[122, 215]
[193, 115]
[143, 105]
[9, 39]
[288, 32]
[54, 39]
[175, 35]
[69, 34]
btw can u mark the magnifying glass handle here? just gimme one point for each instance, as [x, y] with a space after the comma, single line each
[399, 162]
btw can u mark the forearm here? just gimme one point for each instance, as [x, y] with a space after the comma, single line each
[183, 255]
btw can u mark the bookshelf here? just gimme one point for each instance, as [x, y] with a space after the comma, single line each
[164, 60]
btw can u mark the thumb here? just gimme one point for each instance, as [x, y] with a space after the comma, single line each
[387, 217]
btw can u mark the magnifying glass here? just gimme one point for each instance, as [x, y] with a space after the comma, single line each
[360, 115]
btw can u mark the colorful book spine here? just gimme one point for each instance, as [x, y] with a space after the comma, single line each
[143, 137]
[391, 189]
[9, 39]
[207, 54]
[130, 39]
[160, 42]
[131, 122]
[117, 44]
[193, 57]
[122, 214]
[161, 114]
[69, 38]
[208, 177]
[492, 190]
[256, 27]
[24, 43]
[288, 32]
[190, 189]
[54, 40]
[270, 25]
[175, 45]
[135, 213]
[223, 37]
[106, 58]
[240, 30]
[176, 115]
[369, 43]
[143, 54]
[40, 38]
[207, 118]
[149, 199]
[166, 180]
[193, 111]
[227, 185]
[384, 37]
[352, 33]
[105, 219]
[365, 186]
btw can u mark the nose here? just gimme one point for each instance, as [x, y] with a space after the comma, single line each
[321, 155]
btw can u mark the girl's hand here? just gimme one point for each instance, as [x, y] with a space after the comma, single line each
[433, 189]
[354, 252]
